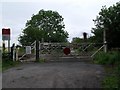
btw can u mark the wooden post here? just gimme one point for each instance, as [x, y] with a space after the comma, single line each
[104, 40]
[8, 46]
[37, 50]
[14, 52]
[3, 46]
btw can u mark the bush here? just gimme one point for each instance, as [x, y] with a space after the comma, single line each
[101, 58]
[110, 58]
[6, 56]
[7, 62]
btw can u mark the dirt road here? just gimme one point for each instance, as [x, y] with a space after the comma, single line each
[54, 75]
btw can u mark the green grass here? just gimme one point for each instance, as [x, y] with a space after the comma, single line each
[112, 78]
[8, 64]
[42, 60]
[110, 58]
[110, 82]
[111, 62]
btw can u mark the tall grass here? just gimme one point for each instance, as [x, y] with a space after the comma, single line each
[111, 61]
[110, 58]
[7, 62]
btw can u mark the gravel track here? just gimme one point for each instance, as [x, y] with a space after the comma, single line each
[53, 75]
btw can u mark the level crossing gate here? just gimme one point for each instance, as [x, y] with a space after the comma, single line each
[59, 52]
[64, 51]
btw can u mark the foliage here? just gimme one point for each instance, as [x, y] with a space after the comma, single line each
[6, 56]
[77, 40]
[112, 79]
[108, 20]
[45, 26]
[81, 40]
[111, 62]
[7, 62]
[110, 82]
[42, 60]
[107, 58]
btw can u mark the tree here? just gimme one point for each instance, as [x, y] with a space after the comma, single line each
[108, 20]
[77, 40]
[47, 25]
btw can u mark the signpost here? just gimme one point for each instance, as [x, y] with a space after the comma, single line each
[28, 49]
[6, 36]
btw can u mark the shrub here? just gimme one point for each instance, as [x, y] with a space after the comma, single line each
[109, 58]
[101, 58]
[6, 56]
[7, 62]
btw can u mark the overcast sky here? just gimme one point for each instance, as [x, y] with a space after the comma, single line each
[77, 14]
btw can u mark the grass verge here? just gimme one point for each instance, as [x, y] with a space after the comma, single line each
[9, 64]
[111, 62]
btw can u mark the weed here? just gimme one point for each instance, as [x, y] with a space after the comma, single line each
[110, 82]
[42, 60]
[111, 61]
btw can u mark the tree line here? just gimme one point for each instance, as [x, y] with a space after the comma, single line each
[48, 26]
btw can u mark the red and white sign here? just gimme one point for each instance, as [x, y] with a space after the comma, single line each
[5, 34]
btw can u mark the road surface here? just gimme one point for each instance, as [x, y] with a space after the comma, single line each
[54, 75]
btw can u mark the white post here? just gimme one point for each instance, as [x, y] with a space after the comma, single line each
[28, 49]
[104, 40]
[3, 46]
[8, 46]
[17, 49]
[14, 51]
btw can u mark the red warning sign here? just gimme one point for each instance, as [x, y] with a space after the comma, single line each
[66, 51]
[5, 34]
[5, 31]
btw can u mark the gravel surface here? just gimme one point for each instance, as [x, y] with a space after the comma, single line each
[54, 75]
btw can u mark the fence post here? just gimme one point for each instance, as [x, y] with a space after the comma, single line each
[37, 50]
[104, 40]
[105, 47]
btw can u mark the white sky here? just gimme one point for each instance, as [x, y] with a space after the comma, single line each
[77, 14]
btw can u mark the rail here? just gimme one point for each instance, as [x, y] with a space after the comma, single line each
[97, 51]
